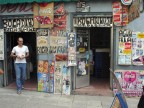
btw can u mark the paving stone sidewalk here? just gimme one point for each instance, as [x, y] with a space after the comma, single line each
[33, 99]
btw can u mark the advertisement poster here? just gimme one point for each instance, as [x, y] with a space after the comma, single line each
[51, 76]
[42, 41]
[62, 78]
[43, 66]
[137, 48]
[43, 82]
[56, 32]
[134, 10]
[82, 40]
[61, 57]
[60, 16]
[1, 44]
[43, 15]
[66, 80]
[82, 68]
[58, 44]
[120, 14]
[131, 81]
[43, 77]
[71, 37]
[125, 45]
[58, 78]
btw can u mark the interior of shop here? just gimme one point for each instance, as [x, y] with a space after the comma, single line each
[29, 39]
[99, 47]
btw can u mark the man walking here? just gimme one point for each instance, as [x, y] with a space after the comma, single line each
[20, 52]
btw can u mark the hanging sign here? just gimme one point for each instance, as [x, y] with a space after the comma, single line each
[120, 14]
[43, 15]
[125, 45]
[71, 49]
[18, 25]
[42, 41]
[127, 2]
[92, 21]
[1, 44]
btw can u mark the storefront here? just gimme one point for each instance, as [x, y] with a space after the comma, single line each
[52, 70]
[74, 44]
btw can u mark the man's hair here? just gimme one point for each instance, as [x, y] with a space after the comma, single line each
[19, 38]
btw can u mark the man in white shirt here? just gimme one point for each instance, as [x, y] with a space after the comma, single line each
[20, 52]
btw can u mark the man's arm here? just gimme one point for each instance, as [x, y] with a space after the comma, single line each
[13, 55]
[27, 54]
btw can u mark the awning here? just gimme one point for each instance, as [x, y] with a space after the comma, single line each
[30, 1]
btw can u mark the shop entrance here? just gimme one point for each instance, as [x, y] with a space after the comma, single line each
[93, 47]
[31, 76]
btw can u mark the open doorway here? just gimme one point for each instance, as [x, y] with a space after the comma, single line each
[31, 74]
[97, 42]
[100, 47]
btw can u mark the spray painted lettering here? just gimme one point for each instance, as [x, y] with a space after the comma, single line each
[9, 8]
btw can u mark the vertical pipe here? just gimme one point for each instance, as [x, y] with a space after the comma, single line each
[111, 56]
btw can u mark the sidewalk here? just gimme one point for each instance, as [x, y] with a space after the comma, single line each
[33, 99]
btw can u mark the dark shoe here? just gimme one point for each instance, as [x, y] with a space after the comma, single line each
[19, 92]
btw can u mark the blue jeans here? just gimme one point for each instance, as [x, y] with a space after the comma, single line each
[20, 69]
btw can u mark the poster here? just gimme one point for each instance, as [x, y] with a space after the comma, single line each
[61, 57]
[120, 14]
[43, 66]
[42, 41]
[134, 10]
[43, 82]
[137, 48]
[43, 77]
[131, 81]
[58, 78]
[60, 16]
[62, 78]
[51, 76]
[1, 44]
[58, 44]
[82, 40]
[43, 15]
[82, 67]
[66, 80]
[71, 37]
[56, 32]
[125, 46]
[46, 75]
